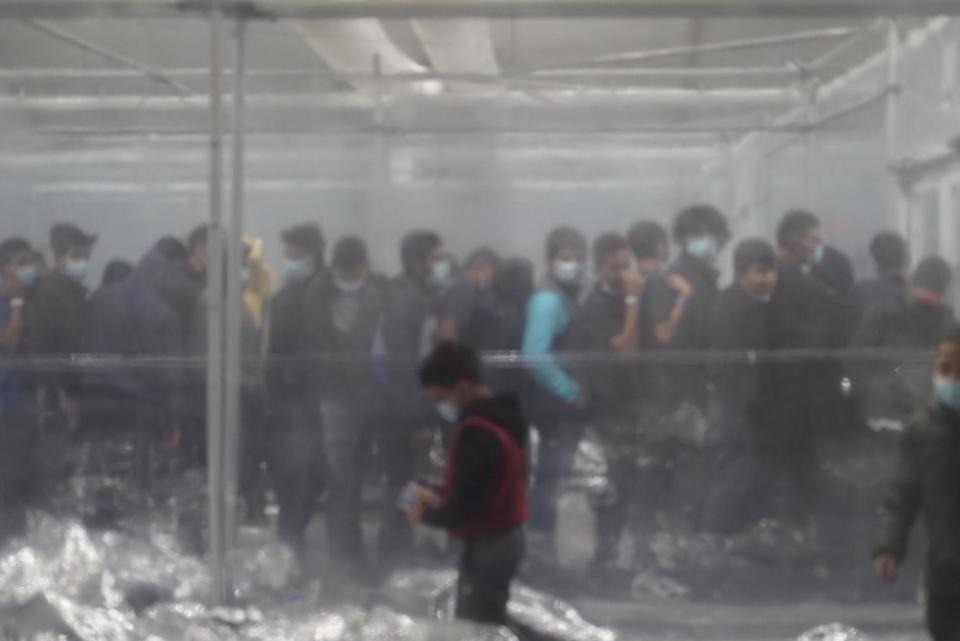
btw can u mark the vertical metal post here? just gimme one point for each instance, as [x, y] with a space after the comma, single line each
[899, 209]
[811, 149]
[381, 153]
[215, 309]
[235, 287]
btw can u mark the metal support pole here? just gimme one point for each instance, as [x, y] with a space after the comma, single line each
[215, 309]
[811, 149]
[900, 210]
[235, 286]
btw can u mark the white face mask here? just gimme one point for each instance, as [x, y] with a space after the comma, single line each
[448, 411]
[349, 286]
[818, 253]
[76, 269]
[947, 392]
[440, 273]
[296, 269]
[566, 271]
[705, 248]
[27, 275]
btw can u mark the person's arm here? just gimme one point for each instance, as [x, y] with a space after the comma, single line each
[667, 328]
[545, 316]
[898, 511]
[629, 337]
[475, 485]
[12, 334]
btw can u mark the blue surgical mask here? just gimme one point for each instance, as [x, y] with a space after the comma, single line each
[296, 269]
[76, 269]
[566, 271]
[947, 392]
[818, 254]
[27, 275]
[705, 248]
[349, 286]
[245, 276]
[761, 298]
[448, 411]
[440, 273]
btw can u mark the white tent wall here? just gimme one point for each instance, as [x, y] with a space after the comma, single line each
[505, 191]
[844, 167]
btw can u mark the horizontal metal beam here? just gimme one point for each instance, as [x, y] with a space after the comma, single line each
[12, 74]
[506, 9]
[776, 40]
[145, 70]
[612, 98]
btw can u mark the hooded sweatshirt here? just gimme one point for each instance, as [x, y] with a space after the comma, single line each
[480, 460]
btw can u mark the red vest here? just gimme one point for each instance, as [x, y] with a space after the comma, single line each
[509, 507]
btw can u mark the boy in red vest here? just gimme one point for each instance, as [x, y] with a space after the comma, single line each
[483, 501]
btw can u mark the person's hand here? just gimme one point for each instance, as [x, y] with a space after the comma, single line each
[582, 400]
[632, 282]
[886, 566]
[426, 498]
[680, 285]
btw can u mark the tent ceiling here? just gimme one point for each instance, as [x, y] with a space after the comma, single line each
[467, 74]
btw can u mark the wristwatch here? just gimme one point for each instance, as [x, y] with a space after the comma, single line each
[631, 300]
[16, 303]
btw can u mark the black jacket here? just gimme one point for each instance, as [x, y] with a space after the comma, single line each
[927, 482]
[611, 386]
[868, 294]
[475, 485]
[802, 310]
[55, 325]
[741, 324]
[286, 376]
[835, 271]
[693, 332]
[802, 316]
[342, 327]
[408, 333]
[159, 302]
[898, 387]
[680, 381]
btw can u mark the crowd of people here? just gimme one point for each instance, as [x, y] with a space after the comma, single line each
[616, 338]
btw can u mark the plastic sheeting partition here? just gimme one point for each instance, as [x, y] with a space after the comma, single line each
[62, 579]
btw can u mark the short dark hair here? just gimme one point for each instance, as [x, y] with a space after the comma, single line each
[565, 238]
[645, 238]
[952, 335]
[484, 253]
[10, 248]
[450, 363]
[308, 237]
[794, 225]
[606, 245]
[697, 220]
[889, 251]
[514, 280]
[416, 247]
[115, 272]
[197, 238]
[753, 251]
[350, 252]
[172, 248]
[65, 236]
[933, 274]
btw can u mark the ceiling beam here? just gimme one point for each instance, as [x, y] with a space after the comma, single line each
[147, 71]
[505, 9]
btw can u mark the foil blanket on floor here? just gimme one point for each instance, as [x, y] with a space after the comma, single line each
[65, 582]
